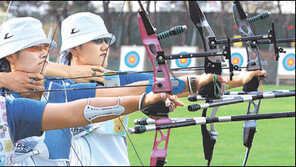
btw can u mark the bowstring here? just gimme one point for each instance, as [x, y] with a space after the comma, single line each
[47, 55]
[131, 141]
[117, 20]
[6, 13]
[116, 23]
[53, 34]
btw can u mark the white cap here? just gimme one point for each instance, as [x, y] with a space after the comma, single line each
[20, 33]
[83, 27]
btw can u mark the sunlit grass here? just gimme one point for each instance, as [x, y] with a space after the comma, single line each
[274, 143]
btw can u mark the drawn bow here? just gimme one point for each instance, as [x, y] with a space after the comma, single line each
[203, 27]
[252, 49]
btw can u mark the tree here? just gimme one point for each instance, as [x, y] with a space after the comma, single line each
[285, 20]
[23, 8]
[128, 22]
[106, 14]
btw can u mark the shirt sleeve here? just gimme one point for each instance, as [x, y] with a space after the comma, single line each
[86, 90]
[24, 117]
[131, 78]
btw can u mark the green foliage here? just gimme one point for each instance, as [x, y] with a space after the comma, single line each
[274, 143]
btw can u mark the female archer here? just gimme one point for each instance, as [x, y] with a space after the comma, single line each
[22, 118]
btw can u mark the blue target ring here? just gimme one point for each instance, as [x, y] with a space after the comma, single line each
[183, 63]
[289, 62]
[132, 59]
[237, 59]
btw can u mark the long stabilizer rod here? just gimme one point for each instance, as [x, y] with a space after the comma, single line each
[206, 120]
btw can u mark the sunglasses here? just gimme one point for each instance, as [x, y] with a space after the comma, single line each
[101, 40]
[38, 48]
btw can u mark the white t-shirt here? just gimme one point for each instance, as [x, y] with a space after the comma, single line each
[100, 150]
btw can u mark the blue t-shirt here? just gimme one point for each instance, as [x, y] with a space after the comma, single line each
[58, 141]
[24, 117]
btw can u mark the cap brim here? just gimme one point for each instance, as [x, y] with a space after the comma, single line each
[52, 44]
[79, 40]
[111, 36]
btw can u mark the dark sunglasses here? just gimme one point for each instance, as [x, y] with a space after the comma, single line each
[101, 40]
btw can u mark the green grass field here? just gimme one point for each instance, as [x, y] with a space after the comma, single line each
[274, 143]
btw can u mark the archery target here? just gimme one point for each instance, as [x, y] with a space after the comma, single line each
[286, 63]
[289, 62]
[239, 57]
[132, 58]
[183, 63]
[186, 62]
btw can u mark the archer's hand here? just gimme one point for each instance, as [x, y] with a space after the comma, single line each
[245, 76]
[21, 81]
[204, 79]
[171, 101]
[87, 70]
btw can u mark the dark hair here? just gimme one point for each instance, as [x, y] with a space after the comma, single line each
[69, 56]
[4, 65]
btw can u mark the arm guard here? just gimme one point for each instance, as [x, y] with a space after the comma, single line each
[91, 112]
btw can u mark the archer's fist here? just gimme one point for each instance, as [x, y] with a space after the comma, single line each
[204, 79]
[245, 76]
[158, 105]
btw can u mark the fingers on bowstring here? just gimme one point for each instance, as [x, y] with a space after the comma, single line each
[35, 87]
[36, 76]
[37, 83]
[97, 79]
[101, 69]
[97, 69]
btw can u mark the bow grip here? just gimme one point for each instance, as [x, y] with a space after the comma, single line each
[156, 109]
[207, 91]
[251, 85]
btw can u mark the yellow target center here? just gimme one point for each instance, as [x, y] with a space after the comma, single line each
[235, 61]
[290, 62]
[183, 60]
[132, 59]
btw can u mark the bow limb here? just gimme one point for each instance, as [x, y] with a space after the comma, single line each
[245, 30]
[151, 42]
[199, 20]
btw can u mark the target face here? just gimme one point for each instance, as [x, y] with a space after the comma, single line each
[237, 59]
[132, 59]
[183, 63]
[289, 62]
